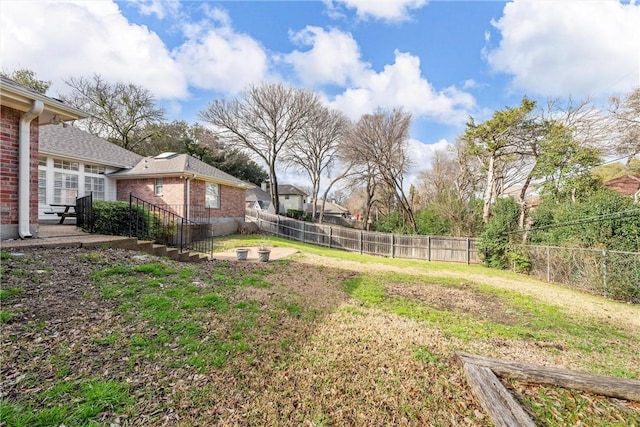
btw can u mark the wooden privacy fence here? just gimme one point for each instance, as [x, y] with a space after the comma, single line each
[431, 248]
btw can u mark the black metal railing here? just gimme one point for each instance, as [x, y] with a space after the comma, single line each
[152, 222]
[84, 213]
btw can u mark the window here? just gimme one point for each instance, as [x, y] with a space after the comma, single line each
[158, 187]
[212, 195]
[94, 185]
[94, 169]
[65, 188]
[42, 161]
[42, 187]
[66, 165]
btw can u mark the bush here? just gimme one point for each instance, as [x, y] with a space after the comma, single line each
[112, 218]
[520, 262]
[495, 240]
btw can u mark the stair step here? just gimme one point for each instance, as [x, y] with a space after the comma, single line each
[173, 253]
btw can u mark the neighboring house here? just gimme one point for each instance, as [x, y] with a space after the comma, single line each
[259, 199]
[626, 185]
[290, 197]
[22, 112]
[188, 187]
[330, 210]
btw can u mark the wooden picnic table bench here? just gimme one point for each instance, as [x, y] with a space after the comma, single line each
[63, 214]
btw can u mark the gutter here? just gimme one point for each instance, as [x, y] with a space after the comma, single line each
[24, 167]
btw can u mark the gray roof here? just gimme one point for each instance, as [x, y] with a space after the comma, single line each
[257, 194]
[69, 141]
[179, 164]
[287, 189]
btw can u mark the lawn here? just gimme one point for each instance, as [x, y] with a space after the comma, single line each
[100, 337]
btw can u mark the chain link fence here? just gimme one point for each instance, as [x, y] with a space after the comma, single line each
[614, 274]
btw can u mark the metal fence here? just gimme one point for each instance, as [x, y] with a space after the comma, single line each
[151, 222]
[431, 248]
[84, 212]
[614, 274]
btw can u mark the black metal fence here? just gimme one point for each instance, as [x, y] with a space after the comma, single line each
[84, 213]
[151, 222]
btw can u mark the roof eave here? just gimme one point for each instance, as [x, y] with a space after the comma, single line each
[21, 99]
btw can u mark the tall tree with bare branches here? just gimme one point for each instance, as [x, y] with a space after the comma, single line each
[265, 119]
[626, 124]
[118, 111]
[381, 141]
[315, 151]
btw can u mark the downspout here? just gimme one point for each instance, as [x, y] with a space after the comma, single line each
[189, 196]
[24, 168]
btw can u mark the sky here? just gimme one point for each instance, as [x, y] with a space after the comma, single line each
[441, 61]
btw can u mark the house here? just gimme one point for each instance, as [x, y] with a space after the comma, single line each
[290, 197]
[63, 162]
[187, 187]
[259, 199]
[331, 209]
[22, 112]
[626, 185]
[73, 163]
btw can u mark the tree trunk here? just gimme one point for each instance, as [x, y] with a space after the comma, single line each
[488, 191]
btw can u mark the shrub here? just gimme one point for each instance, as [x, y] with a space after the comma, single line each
[493, 246]
[112, 218]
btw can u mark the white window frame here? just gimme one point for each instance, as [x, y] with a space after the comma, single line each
[158, 187]
[212, 195]
[64, 192]
[94, 185]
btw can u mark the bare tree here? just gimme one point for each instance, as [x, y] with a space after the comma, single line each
[380, 141]
[626, 115]
[315, 151]
[264, 119]
[119, 111]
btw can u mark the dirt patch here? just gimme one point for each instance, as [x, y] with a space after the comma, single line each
[464, 298]
[622, 315]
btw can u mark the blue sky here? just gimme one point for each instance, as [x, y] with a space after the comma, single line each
[442, 61]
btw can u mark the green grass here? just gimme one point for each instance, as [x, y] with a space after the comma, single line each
[5, 294]
[238, 327]
[6, 316]
[68, 403]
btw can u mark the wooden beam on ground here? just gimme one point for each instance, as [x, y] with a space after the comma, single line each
[496, 400]
[620, 388]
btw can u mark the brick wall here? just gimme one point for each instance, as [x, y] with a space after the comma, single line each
[9, 133]
[232, 200]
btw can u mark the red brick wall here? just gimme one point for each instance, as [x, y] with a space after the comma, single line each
[144, 188]
[9, 125]
[232, 200]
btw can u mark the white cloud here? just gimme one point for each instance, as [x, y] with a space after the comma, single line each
[421, 155]
[160, 8]
[59, 39]
[334, 57]
[388, 10]
[215, 57]
[402, 85]
[561, 48]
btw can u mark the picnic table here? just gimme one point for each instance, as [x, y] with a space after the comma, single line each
[64, 214]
